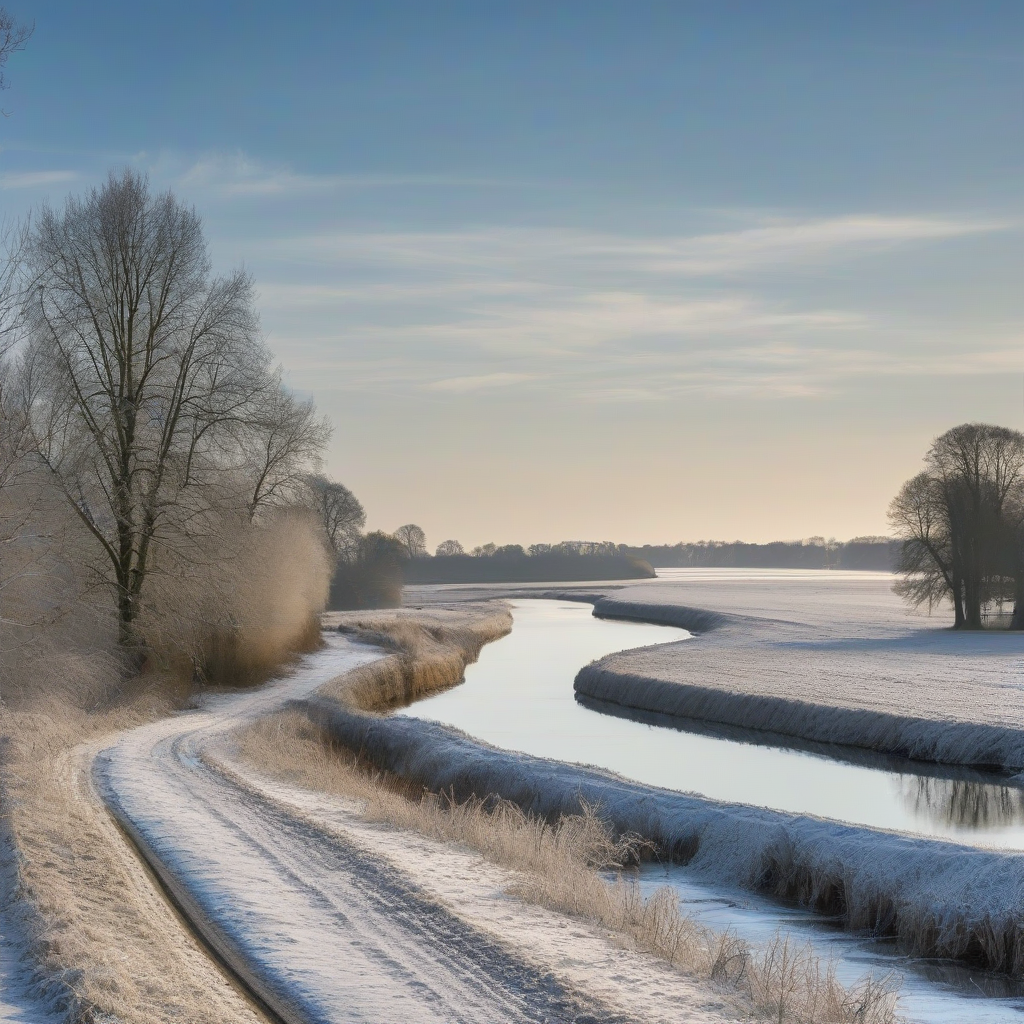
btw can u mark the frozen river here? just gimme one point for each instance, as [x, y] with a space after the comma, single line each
[519, 696]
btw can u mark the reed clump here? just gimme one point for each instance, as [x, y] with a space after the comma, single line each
[576, 865]
[431, 649]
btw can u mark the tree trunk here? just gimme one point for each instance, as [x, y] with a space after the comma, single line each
[958, 604]
[1017, 622]
[972, 605]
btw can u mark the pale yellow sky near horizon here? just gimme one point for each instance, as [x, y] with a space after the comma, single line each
[641, 273]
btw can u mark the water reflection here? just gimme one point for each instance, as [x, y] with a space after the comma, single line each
[961, 803]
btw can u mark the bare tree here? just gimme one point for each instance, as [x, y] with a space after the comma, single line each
[927, 565]
[957, 522]
[13, 37]
[340, 513]
[413, 539]
[449, 548]
[12, 244]
[279, 445]
[978, 466]
[142, 373]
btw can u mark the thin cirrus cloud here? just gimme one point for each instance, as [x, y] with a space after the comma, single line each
[238, 176]
[482, 382]
[751, 247]
[35, 179]
[608, 316]
[620, 317]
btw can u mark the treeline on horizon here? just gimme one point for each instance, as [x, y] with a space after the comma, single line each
[403, 558]
[866, 553]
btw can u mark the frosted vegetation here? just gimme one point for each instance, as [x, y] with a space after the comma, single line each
[829, 660]
[559, 844]
[563, 865]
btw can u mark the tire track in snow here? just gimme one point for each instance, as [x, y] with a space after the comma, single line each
[319, 929]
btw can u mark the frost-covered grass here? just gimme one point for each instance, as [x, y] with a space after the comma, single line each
[558, 864]
[937, 898]
[101, 942]
[104, 942]
[431, 650]
[833, 660]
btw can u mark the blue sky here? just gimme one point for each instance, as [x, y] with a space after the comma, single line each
[634, 271]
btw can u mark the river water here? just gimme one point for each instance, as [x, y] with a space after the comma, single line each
[519, 696]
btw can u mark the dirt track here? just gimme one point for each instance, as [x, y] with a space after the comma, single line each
[319, 927]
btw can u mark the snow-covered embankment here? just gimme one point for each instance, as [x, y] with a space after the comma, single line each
[939, 898]
[882, 683]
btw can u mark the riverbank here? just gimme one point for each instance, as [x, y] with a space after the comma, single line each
[291, 752]
[939, 898]
[829, 658]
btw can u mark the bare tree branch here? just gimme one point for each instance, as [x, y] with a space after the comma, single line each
[13, 38]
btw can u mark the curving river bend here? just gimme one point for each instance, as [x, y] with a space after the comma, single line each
[519, 696]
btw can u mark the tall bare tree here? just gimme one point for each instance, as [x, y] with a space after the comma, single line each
[957, 521]
[339, 512]
[278, 446]
[928, 565]
[147, 382]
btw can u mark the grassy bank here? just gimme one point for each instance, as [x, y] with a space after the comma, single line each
[563, 864]
[430, 650]
[99, 939]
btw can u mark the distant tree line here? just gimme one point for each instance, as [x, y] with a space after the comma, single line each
[877, 553]
[864, 553]
[960, 523]
[591, 560]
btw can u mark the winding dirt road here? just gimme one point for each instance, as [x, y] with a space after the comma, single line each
[319, 927]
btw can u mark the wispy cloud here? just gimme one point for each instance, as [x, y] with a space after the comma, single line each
[624, 317]
[35, 179]
[236, 175]
[763, 245]
[482, 382]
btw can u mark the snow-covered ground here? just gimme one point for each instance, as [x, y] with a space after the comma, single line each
[942, 898]
[329, 919]
[826, 657]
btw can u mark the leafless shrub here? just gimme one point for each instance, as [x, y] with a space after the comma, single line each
[246, 600]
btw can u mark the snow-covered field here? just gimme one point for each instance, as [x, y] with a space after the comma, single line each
[826, 657]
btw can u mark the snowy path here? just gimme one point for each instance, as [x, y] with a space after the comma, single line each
[321, 927]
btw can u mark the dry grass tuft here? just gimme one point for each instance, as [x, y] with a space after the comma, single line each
[234, 614]
[105, 944]
[560, 866]
[432, 649]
